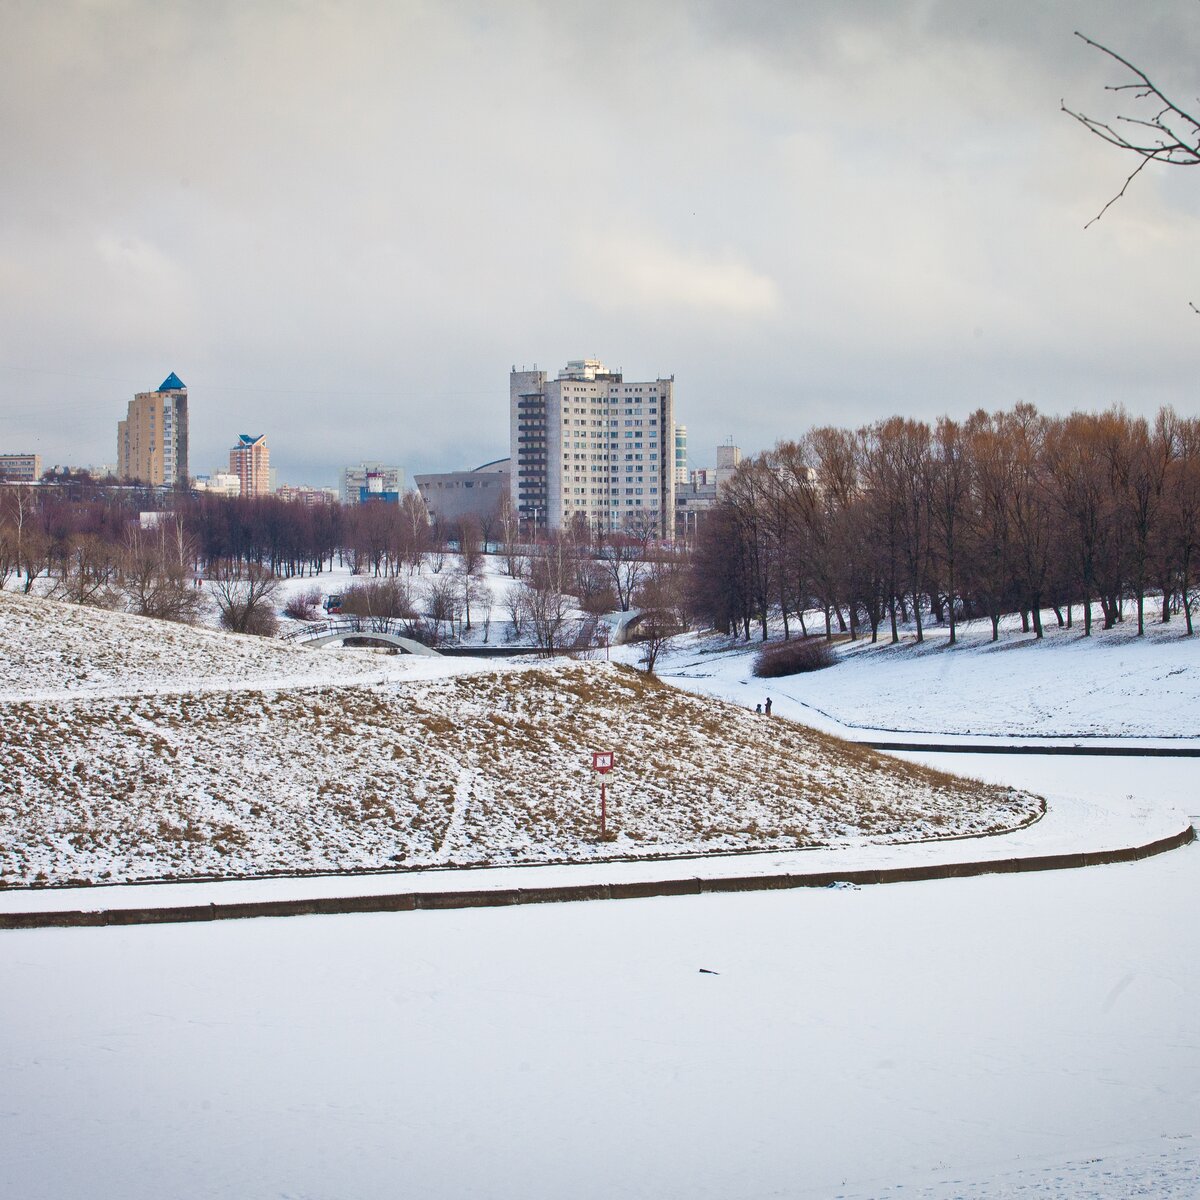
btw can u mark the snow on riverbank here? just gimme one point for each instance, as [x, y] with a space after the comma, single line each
[1113, 684]
[1005, 1036]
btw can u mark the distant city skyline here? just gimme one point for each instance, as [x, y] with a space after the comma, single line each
[806, 214]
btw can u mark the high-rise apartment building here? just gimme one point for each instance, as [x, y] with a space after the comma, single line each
[681, 457]
[152, 441]
[589, 445]
[250, 461]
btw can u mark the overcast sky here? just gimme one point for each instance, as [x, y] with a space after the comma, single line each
[343, 223]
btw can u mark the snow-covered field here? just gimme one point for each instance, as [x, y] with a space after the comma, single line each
[1113, 684]
[1006, 1036]
[1010, 1036]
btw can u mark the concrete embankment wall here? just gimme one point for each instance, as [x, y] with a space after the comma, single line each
[500, 897]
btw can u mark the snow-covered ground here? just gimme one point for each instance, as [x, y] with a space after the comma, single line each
[1007, 1036]
[1113, 684]
[55, 650]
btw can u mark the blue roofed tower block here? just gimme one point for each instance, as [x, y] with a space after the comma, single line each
[152, 441]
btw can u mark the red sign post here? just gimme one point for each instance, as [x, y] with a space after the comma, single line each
[602, 762]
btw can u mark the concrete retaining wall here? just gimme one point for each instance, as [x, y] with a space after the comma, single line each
[411, 901]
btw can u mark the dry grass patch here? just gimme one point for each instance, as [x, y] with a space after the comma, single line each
[491, 767]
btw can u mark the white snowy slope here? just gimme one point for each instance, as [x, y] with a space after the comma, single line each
[1112, 685]
[490, 767]
[56, 650]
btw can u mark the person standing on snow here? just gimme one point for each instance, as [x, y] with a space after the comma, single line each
[768, 706]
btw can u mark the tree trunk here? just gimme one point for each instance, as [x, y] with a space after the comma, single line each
[1185, 574]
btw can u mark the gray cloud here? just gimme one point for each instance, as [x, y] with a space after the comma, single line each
[341, 223]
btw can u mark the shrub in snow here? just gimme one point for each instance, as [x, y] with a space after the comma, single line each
[386, 598]
[793, 657]
[304, 606]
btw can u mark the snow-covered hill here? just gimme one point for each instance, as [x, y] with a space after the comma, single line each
[53, 649]
[166, 770]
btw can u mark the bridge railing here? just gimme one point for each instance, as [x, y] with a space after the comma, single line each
[347, 624]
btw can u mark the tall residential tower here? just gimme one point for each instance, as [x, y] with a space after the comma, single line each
[589, 445]
[250, 461]
[152, 441]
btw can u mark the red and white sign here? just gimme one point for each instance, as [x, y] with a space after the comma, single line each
[602, 760]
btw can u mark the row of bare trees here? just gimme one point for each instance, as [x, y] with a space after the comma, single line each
[1002, 513]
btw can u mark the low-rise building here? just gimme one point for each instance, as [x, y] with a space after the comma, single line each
[20, 468]
[453, 495]
[221, 482]
[304, 494]
[703, 489]
[355, 480]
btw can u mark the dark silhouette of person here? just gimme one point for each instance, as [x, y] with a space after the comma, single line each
[768, 706]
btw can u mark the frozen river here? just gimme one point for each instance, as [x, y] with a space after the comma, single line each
[1005, 1035]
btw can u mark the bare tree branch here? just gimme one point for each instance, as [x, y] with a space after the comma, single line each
[1175, 133]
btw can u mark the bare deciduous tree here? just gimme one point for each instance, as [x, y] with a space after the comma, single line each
[89, 573]
[378, 601]
[545, 592]
[155, 573]
[442, 604]
[245, 597]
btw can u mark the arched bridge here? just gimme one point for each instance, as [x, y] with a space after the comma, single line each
[386, 631]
